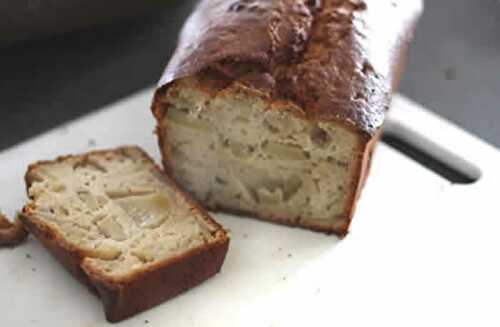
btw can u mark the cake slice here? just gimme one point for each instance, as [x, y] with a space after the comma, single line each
[122, 227]
[273, 108]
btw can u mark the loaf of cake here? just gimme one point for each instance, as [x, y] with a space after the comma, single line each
[122, 228]
[273, 108]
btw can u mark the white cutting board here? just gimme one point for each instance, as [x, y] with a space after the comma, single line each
[421, 252]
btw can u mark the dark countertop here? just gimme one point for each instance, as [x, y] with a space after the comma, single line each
[454, 68]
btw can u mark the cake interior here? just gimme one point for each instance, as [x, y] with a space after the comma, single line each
[233, 150]
[117, 208]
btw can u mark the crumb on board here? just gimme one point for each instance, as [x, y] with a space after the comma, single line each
[91, 142]
[28, 256]
[450, 73]
[11, 234]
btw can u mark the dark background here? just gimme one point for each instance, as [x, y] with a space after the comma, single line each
[454, 68]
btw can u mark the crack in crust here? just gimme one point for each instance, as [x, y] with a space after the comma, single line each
[337, 59]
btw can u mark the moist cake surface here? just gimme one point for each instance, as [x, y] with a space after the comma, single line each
[116, 208]
[232, 150]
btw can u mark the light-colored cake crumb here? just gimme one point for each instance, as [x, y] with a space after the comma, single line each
[117, 208]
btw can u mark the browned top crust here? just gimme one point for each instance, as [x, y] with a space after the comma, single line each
[337, 59]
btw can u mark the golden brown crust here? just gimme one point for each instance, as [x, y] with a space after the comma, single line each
[11, 234]
[337, 59]
[365, 154]
[140, 290]
[159, 283]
